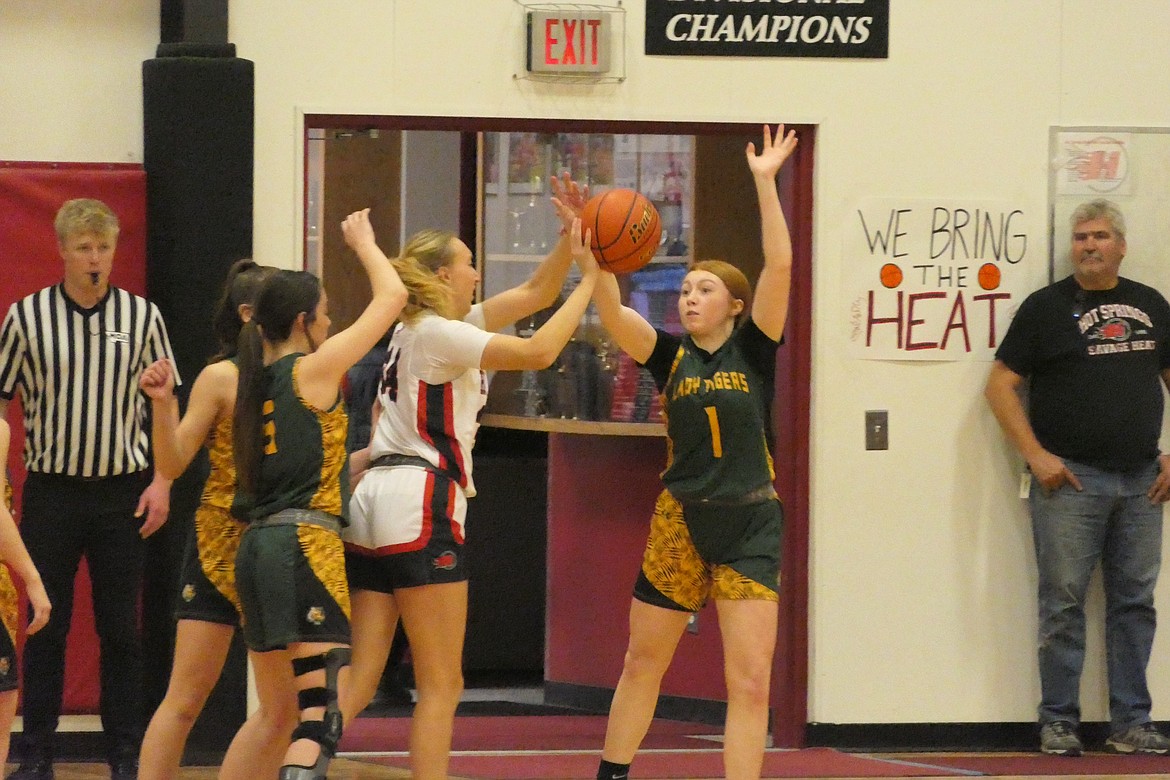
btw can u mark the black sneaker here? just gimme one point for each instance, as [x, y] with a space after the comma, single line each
[125, 769]
[1059, 738]
[41, 769]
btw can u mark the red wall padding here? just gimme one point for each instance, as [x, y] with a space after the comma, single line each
[601, 494]
[30, 194]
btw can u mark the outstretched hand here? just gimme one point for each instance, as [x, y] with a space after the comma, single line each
[579, 247]
[776, 149]
[568, 198]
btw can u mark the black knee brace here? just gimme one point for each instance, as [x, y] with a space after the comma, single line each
[325, 732]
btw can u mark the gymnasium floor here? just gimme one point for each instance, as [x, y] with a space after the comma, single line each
[350, 769]
[566, 747]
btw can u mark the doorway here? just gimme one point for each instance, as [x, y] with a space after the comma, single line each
[719, 193]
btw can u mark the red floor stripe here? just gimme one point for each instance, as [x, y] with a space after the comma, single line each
[543, 732]
[816, 762]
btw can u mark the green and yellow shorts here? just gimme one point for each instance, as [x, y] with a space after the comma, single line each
[701, 551]
[207, 590]
[9, 615]
[292, 586]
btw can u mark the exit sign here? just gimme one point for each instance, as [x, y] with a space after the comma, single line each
[568, 41]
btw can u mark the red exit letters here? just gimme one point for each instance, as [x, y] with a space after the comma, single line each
[562, 43]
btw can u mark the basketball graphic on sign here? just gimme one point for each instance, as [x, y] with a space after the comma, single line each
[989, 276]
[891, 276]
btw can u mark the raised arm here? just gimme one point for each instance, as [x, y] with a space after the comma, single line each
[504, 352]
[175, 442]
[541, 289]
[1003, 395]
[770, 303]
[629, 329]
[320, 373]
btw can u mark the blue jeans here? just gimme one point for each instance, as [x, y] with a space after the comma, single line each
[1113, 522]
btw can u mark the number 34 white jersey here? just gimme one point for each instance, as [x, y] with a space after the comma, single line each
[431, 392]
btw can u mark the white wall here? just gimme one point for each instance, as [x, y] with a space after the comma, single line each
[922, 579]
[71, 78]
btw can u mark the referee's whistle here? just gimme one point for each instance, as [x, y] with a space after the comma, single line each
[95, 277]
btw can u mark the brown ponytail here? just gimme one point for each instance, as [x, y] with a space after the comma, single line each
[247, 425]
[285, 296]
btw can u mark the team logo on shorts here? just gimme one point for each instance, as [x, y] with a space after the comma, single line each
[444, 560]
[316, 615]
[5, 665]
[188, 592]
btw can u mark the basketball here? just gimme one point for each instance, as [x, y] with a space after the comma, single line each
[624, 228]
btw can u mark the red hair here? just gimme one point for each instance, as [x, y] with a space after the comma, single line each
[733, 279]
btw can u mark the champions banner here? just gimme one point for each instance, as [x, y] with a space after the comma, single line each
[768, 28]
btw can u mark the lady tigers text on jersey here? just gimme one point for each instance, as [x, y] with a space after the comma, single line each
[720, 380]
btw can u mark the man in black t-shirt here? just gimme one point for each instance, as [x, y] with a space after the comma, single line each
[1095, 348]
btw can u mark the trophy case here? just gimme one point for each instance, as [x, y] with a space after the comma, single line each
[592, 387]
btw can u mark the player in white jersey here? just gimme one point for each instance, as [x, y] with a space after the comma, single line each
[404, 545]
[429, 401]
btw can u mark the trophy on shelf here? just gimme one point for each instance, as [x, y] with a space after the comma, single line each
[532, 395]
[670, 208]
[516, 226]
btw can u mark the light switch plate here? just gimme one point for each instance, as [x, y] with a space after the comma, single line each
[877, 429]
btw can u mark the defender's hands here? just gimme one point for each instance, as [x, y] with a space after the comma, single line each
[776, 149]
[579, 246]
[568, 198]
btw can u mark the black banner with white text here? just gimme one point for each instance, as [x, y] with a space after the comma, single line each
[768, 28]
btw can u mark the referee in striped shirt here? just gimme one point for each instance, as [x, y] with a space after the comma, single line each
[73, 353]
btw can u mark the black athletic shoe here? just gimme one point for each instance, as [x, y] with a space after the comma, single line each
[126, 769]
[34, 770]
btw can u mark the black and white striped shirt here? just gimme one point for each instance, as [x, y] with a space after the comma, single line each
[77, 372]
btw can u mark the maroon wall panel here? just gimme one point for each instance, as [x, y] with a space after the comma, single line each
[600, 497]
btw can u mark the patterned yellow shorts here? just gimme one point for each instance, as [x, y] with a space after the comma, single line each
[734, 554]
[207, 590]
[9, 615]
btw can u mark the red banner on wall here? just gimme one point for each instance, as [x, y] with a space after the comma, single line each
[30, 195]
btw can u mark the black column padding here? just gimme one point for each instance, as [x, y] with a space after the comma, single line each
[198, 155]
[198, 151]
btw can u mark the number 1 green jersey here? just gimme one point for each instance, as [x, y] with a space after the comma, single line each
[718, 414]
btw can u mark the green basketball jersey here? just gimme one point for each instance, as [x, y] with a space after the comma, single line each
[717, 409]
[304, 465]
